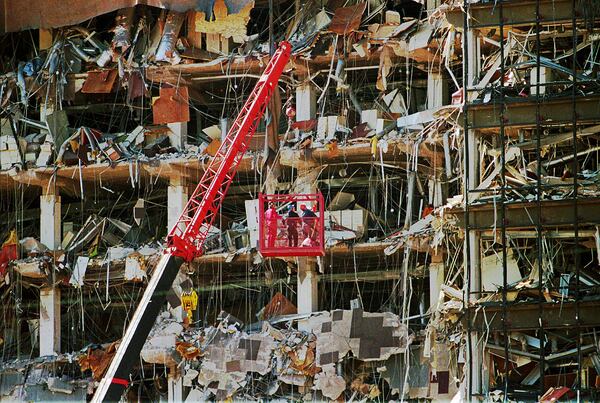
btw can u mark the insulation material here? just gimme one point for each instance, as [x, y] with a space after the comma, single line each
[172, 106]
[226, 23]
[347, 19]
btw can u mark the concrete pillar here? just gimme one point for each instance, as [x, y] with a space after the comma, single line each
[49, 321]
[50, 235]
[50, 226]
[472, 61]
[437, 90]
[178, 135]
[308, 300]
[306, 102]
[436, 279]
[308, 291]
[472, 254]
[175, 386]
[177, 197]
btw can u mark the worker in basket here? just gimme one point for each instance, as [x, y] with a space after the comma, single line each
[291, 221]
[272, 219]
[309, 221]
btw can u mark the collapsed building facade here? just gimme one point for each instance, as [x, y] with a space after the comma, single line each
[456, 148]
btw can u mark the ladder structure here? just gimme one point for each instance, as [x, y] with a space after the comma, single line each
[186, 239]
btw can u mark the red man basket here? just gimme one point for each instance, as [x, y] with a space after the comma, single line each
[291, 225]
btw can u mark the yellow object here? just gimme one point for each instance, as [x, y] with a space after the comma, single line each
[189, 300]
[374, 145]
[12, 238]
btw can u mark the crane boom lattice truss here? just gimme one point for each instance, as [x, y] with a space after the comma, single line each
[186, 239]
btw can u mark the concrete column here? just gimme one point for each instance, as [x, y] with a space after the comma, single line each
[50, 228]
[437, 90]
[175, 386]
[177, 197]
[50, 235]
[306, 102]
[473, 60]
[307, 286]
[178, 134]
[49, 321]
[436, 279]
[308, 291]
[472, 254]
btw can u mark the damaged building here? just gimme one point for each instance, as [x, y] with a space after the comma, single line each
[430, 169]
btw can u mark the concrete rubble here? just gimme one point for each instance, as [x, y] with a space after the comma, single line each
[455, 145]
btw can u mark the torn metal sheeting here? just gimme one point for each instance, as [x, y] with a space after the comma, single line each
[347, 19]
[100, 82]
[172, 106]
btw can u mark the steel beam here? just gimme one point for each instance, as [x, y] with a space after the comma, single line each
[525, 215]
[525, 316]
[523, 113]
[516, 13]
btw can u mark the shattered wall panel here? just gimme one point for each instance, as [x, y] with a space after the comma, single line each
[370, 336]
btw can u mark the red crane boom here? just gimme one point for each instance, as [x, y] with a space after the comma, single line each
[186, 239]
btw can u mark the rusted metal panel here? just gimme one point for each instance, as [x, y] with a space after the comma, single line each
[100, 82]
[347, 19]
[171, 106]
